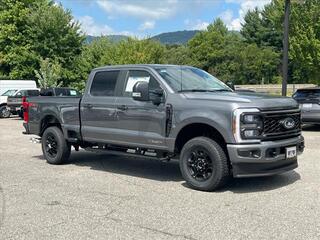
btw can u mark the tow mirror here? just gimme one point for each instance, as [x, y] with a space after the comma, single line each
[156, 96]
[141, 91]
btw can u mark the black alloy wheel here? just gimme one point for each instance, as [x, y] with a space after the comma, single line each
[51, 145]
[200, 164]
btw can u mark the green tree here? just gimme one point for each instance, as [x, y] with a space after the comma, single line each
[265, 27]
[177, 54]
[128, 51]
[54, 34]
[134, 51]
[207, 47]
[305, 42]
[35, 29]
[17, 57]
[49, 74]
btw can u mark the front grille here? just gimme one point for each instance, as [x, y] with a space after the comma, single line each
[274, 124]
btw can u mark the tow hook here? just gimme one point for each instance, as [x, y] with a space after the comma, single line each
[35, 140]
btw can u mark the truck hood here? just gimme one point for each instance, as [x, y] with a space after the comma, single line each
[262, 101]
[3, 99]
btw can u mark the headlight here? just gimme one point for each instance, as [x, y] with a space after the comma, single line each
[247, 125]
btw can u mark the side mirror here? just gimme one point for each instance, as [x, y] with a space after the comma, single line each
[230, 85]
[156, 96]
[141, 91]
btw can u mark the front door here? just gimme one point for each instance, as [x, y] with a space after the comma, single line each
[141, 123]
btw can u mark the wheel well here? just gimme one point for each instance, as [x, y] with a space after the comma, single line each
[3, 104]
[49, 121]
[196, 130]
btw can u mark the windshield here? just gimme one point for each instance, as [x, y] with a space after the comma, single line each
[307, 93]
[184, 78]
[9, 93]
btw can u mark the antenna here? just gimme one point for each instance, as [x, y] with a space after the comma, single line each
[180, 77]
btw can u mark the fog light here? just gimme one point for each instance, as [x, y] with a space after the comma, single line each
[253, 153]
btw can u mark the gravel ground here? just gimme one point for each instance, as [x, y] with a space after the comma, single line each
[100, 196]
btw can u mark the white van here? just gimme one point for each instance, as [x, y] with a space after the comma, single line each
[11, 88]
[6, 85]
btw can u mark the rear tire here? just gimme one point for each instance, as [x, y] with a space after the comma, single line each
[4, 112]
[204, 164]
[55, 148]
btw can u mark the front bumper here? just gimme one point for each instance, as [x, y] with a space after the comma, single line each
[268, 158]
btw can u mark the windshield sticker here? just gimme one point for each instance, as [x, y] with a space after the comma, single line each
[133, 80]
[73, 92]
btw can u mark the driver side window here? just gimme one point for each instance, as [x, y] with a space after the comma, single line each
[135, 76]
[19, 94]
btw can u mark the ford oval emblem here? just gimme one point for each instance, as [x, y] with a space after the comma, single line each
[288, 123]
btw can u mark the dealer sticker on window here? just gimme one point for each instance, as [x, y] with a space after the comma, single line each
[291, 152]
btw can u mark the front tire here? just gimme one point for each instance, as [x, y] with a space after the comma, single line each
[55, 148]
[204, 164]
[4, 112]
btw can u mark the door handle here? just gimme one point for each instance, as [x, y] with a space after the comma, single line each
[122, 107]
[88, 105]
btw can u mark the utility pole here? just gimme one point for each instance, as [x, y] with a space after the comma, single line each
[285, 48]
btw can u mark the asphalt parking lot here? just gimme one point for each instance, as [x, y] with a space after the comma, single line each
[111, 197]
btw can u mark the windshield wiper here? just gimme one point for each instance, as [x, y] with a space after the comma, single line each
[221, 90]
[194, 90]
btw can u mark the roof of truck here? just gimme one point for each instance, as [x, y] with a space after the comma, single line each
[136, 65]
[309, 88]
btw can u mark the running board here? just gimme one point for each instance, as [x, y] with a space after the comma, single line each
[131, 153]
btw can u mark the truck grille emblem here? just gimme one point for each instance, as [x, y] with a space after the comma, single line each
[288, 123]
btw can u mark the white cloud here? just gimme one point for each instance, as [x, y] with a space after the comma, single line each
[147, 25]
[196, 25]
[146, 10]
[245, 6]
[149, 11]
[90, 27]
[231, 23]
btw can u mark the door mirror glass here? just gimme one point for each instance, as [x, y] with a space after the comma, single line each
[141, 91]
[156, 96]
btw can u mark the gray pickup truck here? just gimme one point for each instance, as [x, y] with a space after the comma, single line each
[172, 112]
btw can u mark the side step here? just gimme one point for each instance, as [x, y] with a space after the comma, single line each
[148, 154]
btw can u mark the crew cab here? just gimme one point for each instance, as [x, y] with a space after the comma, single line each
[172, 112]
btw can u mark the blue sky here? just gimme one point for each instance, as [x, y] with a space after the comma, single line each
[143, 18]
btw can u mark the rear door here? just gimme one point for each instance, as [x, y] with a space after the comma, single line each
[309, 100]
[98, 113]
[141, 123]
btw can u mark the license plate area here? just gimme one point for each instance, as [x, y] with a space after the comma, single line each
[291, 152]
[307, 105]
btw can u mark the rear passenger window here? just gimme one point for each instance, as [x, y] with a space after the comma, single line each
[31, 93]
[104, 83]
[137, 76]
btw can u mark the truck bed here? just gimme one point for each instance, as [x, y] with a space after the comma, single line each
[64, 109]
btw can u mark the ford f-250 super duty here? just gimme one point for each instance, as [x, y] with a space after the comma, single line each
[167, 111]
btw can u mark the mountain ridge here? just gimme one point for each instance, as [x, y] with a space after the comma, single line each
[167, 38]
